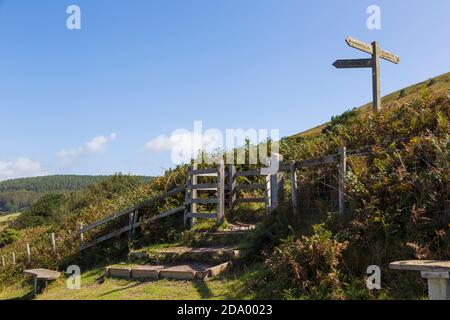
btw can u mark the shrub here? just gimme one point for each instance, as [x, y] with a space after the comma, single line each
[304, 267]
[8, 236]
[42, 212]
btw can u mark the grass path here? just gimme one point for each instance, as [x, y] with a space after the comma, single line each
[225, 287]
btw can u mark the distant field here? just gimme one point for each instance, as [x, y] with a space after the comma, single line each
[6, 218]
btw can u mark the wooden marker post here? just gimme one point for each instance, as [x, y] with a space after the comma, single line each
[28, 253]
[80, 228]
[221, 193]
[53, 243]
[373, 63]
[293, 179]
[232, 185]
[13, 256]
[342, 172]
[3, 262]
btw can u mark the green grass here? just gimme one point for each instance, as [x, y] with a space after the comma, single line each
[220, 288]
[6, 219]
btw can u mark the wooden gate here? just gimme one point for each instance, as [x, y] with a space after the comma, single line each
[196, 190]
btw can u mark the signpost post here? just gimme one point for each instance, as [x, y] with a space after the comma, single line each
[373, 63]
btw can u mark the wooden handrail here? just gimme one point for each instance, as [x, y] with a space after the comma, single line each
[130, 210]
[130, 227]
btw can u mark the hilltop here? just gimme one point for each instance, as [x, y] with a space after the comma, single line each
[439, 85]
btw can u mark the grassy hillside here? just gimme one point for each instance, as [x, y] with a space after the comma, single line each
[439, 85]
[398, 201]
[19, 194]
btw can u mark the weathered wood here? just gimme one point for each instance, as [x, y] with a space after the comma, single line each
[130, 227]
[376, 77]
[131, 209]
[294, 191]
[199, 172]
[28, 253]
[365, 47]
[251, 187]
[342, 173]
[268, 193]
[194, 194]
[203, 215]
[187, 205]
[53, 243]
[318, 161]
[204, 201]
[221, 193]
[232, 185]
[357, 44]
[250, 200]
[377, 54]
[105, 237]
[135, 221]
[277, 190]
[353, 63]
[437, 274]
[205, 187]
[167, 214]
[248, 173]
[43, 274]
[421, 265]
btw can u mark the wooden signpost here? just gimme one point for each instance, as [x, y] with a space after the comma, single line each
[373, 63]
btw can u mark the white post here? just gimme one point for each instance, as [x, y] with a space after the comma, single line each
[80, 227]
[268, 193]
[28, 253]
[438, 285]
[3, 262]
[194, 194]
[53, 243]
[13, 258]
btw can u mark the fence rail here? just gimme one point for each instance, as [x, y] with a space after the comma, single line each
[133, 219]
[273, 189]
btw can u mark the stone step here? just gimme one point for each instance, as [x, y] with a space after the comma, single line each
[215, 254]
[187, 271]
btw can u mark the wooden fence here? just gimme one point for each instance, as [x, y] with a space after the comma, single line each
[134, 221]
[225, 185]
[13, 256]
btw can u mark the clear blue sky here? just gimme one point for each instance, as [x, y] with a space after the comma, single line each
[139, 69]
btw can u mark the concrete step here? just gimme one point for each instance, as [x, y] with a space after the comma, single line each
[188, 271]
[216, 254]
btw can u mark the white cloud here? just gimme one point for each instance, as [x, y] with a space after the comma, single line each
[21, 167]
[95, 146]
[185, 145]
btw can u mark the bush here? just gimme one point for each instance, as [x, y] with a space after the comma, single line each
[8, 236]
[304, 267]
[42, 212]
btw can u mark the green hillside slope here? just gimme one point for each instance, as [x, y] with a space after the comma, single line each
[397, 199]
[439, 85]
[18, 194]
